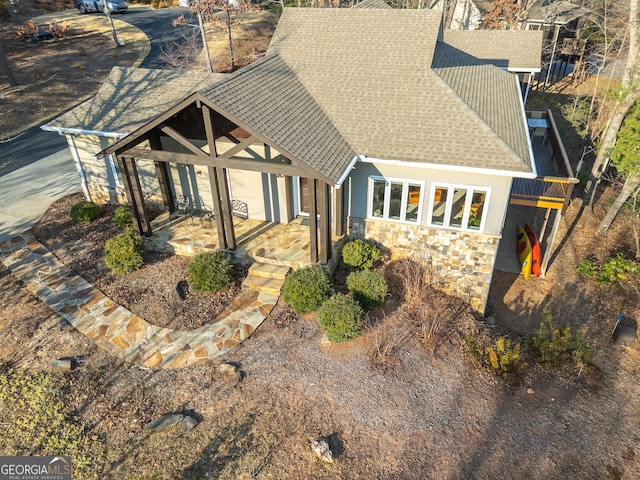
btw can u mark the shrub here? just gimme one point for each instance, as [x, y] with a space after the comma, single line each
[124, 253]
[122, 216]
[360, 254]
[340, 318]
[556, 345]
[85, 211]
[210, 271]
[501, 358]
[369, 287]
[307, 288]
[588, 268]
[615, 269]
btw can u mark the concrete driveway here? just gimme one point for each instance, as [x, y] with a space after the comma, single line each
[26, 193]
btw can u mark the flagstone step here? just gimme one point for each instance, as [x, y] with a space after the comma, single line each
[267, 270]
[263, 284]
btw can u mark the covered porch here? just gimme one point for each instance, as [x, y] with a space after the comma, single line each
[230, 159]
[284, 244]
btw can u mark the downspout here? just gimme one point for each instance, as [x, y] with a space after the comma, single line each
[76, 159]
[526, 92]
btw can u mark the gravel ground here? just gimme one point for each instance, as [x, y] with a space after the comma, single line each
[425, 415]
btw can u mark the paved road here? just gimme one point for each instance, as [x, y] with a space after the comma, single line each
[26, 193]
[35, 144]
[156, 24]
[29, 147]
[36, 168]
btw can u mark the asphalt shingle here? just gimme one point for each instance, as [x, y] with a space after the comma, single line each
[131, 97]
[515, 49]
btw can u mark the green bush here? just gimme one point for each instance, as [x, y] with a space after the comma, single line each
[615, 269]
[557, 345]
[340, 318]
[369, 287]
[588, 268]
[360, 254]
[124, 253]
[307, 288]
[210, 271]
[85, 211]
[122, 216]
[501, 358]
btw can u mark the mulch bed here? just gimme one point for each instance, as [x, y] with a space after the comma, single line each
[146, 292]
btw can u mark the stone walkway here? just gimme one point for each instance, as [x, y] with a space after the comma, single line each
[117, 330]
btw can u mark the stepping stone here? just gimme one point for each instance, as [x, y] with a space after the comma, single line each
[263, 284]
[268, 270]
[164, 422]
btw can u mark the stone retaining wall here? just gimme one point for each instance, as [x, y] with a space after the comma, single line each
[464, 260]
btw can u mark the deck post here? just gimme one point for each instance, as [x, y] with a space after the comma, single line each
[313, 221]
[548, 251]
[227, 214]
[133, 191]
[219, 189]
[325, 224]
[162, 172]
[339, 211]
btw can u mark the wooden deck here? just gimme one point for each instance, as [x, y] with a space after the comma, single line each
[554, 183]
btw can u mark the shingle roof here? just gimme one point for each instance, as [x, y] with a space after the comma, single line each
[514, 49]
[268, 97]
[488, 91]
[370, 77]
[131, 97]
[336, 83]
[372, 4]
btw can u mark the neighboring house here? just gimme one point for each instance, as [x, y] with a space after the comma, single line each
[365, 120]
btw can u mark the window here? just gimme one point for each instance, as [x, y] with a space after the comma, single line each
[115, 171]
[458, 206]
[395, 199]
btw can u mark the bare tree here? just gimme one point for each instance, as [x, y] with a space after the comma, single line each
[185, 54]
[630, 88]
[626, 96]
[218, 12]
[107, 12]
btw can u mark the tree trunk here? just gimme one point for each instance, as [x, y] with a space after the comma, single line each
[632, 58]
[233, 64]
[116, 44]
[205, 45]
[617, 117]
[629, 187]
[608, 143]
[6, 68]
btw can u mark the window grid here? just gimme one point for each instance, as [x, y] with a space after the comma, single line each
[461, 207]
[385, 203]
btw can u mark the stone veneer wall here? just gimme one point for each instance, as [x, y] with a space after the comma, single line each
[463, 259]
[102, 194]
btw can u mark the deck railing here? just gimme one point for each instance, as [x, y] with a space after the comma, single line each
[545, 192]
[550, 191]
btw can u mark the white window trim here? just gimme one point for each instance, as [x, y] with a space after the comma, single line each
[387, 194]
[467, 209]
[114, 171]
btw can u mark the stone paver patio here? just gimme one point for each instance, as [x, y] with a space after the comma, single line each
[116, 329]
